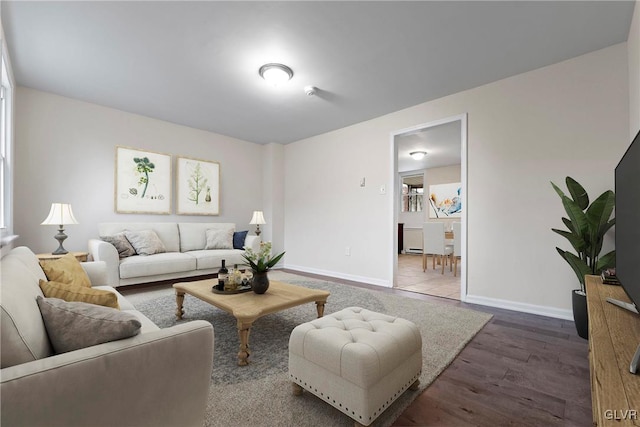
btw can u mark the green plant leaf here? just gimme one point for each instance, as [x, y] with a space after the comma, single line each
[578, 193]
[274, 261]
[606, 261]
[580, 268]
[568, 224]
[576, 215]
[576, 241]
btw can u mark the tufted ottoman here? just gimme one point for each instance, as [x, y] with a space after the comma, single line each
[357, 360]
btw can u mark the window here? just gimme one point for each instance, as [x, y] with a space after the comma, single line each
[6, 93]
[412, 193]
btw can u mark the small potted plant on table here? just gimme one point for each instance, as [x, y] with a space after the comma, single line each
[261, 262]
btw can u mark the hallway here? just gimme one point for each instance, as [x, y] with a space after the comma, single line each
[431, 282]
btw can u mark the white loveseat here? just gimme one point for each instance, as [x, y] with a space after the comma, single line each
[185, 254]
[160, 377]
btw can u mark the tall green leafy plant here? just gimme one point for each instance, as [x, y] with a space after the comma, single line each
[587, 224]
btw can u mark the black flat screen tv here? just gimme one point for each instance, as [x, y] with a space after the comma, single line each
[627, 189]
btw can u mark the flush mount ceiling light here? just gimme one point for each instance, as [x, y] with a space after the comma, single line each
[275, 73]
[418, 155]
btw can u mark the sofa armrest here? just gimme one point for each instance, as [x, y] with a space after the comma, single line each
[97, 272]
[159, 378]
[252, 242]
[103, 251]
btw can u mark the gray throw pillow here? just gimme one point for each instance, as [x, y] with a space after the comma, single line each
[74, 325]
[121, 243]
[145, 242]
[219, 238]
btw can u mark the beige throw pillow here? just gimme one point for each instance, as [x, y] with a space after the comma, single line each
[66, 269]
[219, 238]
[70, 293]
[145, 242]
[74, 325]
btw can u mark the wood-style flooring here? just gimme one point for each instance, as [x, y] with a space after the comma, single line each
[519, 370]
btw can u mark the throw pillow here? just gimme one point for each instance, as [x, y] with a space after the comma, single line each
[239, 238]
[219, 238]
[121, 243]
[145, 242]
[74, 325]
[66, 269]
[71, 293]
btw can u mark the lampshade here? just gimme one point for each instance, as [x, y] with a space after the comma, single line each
[60, 214]
[275, 73]
[418, 155]
[258, 218]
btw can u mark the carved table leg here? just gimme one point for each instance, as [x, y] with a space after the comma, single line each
[320, 308]
[243, 333]
[179, 301]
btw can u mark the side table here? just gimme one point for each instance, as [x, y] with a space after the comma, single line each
[80, 256]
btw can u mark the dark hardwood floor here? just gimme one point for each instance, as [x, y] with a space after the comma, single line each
[519, 370]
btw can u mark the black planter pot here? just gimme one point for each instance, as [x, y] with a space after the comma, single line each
[260, 283]
[580, 316]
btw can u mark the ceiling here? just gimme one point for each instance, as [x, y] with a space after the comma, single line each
[196, 63]
[442, 144]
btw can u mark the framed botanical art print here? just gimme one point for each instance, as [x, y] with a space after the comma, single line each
[198, 187]
[142, 181]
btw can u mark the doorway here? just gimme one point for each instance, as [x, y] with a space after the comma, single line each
[442, 168]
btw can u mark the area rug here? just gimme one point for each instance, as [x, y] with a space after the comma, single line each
[260, 393]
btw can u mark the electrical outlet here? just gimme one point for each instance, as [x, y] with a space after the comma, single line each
[347, 250]
[383, 189]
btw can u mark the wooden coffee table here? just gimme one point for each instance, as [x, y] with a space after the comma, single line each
[249, 306]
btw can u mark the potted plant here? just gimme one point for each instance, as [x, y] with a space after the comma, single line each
[261, 262]
[587, 224]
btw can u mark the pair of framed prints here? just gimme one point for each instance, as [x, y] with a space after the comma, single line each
[144, 183]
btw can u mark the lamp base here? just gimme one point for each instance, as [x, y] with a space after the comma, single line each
[258, 230]
[60, 237]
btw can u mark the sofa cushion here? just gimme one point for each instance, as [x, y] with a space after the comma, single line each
[193, 234]
[66, 270]
[75, 325]
[119, 240]
[71, 293]
[170, 262]
[219, 239]
[145, 242]
[207, 259]
[238, 239]
[22, 332]
[167, 231]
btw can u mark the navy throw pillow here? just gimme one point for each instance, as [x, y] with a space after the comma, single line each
[238, 239]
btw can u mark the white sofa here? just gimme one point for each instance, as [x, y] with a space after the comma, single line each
[138, 381]
[185, 256]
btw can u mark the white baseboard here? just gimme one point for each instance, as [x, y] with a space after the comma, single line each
[541, 310]
[360, 279]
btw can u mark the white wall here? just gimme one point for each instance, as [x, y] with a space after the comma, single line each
[569, 118]
[633, 52]
[65, 152]
[273, 196]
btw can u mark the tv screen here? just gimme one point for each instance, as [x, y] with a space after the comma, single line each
[627, 189]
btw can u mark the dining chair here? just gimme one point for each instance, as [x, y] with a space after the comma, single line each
[457, 246]
[434, 244]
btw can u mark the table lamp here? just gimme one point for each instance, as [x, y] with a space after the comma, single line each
[257, 219]
[60, 215]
